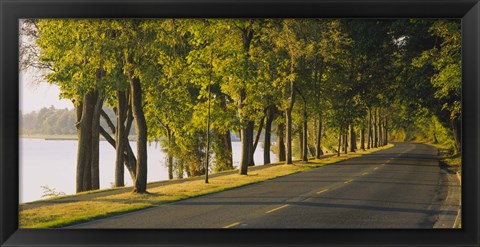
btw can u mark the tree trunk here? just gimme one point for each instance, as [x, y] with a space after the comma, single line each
[380, 133]
[96, 145]
[84, 132]
[281, 142]
[170, 154]
[257, 135]
[267, 137]
[318, 147]
[247, 36]
[456, 125]
[120, 137]
[339, 141]
[180, 169]
[352, 139]
[78, 113]
[385, 128]
[128, 155]
[305, 135]
[131, 161]
[141, 130]
[288, 114]
[300, 144]
[375, 129]
[288, 151]
[227, 143]
[80, 163]
[305, 140]
[245, 135]
[223, 142]
[245, 152]
[87, 176]
[318, 75]
[362, 139]
[345, 141]
[355, 140]
[370, 138]
[251, 149]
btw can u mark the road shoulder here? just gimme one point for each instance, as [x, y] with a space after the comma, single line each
[452, 202]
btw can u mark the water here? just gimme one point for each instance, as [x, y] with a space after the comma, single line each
[52, 163]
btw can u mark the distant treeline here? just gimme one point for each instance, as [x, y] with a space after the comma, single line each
[53, 121]
[48, 121]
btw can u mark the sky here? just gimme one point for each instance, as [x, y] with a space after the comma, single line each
[36, 94]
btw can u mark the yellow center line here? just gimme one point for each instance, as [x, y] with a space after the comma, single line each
[375, 168]
[322, 191]
[275, 209]
[232, 225]
[348, 181]
[365, 173]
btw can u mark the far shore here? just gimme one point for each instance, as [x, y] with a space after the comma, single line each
[62, 137]
[73, 137]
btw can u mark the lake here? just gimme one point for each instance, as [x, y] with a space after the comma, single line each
[52, 163]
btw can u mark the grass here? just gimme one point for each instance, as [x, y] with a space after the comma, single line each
[74, 209]
[447, 156]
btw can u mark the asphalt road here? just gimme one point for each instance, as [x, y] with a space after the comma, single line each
[401, 187]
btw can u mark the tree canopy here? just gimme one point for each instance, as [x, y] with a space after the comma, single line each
[318, 85]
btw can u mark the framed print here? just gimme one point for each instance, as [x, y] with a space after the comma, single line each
[160, 123]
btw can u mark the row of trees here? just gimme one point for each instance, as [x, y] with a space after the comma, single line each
[53, 121]
[192, 82]
[48, 121]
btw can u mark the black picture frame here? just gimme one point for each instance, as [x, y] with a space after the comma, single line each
[13, 10]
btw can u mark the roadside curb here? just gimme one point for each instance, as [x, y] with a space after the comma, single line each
[451, 209]
[457, 223]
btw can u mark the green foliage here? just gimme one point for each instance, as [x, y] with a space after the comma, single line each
[432, 84]
[337, 71]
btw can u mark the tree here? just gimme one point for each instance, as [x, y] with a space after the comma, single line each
[445, 58]
[190, 84]
[289, 45]
[135, 36]
[63, 45]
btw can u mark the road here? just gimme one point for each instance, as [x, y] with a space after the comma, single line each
[401, 187]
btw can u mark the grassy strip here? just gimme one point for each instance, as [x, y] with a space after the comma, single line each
[59, 213]
[446, 155]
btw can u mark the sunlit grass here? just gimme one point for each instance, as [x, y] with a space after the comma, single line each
[447, 155]
[78, 209]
